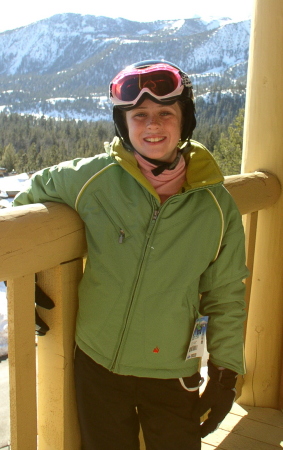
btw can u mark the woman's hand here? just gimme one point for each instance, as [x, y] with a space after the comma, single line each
[218, 397]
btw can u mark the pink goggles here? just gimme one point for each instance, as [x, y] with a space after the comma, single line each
[161, 81]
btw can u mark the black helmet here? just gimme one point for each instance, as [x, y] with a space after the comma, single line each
[126, 93]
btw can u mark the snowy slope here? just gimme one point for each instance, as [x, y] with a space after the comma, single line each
[65, 40]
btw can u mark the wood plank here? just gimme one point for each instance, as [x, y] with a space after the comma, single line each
[256, 430]
[216, 438]
[240, 410]
[205, 446]
[265, 415]
[248, 428]
[230, 422]
[234, 441]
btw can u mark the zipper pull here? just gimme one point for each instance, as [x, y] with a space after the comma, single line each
[121, 236]
[155, 214]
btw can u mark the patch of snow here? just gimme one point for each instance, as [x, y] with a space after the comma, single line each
[215, 22]
[143, 32]
[129, 41]
[177, 24]
[4, 203]
[87, 29]
[14, 183]
[60, 99]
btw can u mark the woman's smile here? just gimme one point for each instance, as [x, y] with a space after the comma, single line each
[154, 139]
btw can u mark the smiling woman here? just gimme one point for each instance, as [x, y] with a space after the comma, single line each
[162, 233]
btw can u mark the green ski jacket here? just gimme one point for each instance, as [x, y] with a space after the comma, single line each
[152, 269]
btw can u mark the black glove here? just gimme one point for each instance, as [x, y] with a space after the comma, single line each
[41, 299]
[218, 396]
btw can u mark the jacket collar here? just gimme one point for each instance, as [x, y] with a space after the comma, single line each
[202, 169]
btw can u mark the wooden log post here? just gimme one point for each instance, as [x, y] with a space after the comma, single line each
[263, 148]
[58, 427]
[22, 366]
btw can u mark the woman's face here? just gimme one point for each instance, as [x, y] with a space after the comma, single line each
[155, 129]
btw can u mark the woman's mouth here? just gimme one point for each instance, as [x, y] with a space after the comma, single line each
[154, 139]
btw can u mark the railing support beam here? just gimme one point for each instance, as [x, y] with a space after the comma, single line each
[57, 417]
[22, 364]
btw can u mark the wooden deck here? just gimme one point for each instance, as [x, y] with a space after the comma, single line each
[248, 428]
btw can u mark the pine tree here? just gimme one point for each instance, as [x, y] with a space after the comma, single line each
[228, 150]
[9, 158]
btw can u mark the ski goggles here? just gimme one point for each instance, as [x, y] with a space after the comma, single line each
[161, 81]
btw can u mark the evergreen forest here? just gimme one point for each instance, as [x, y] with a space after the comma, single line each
[28, 144]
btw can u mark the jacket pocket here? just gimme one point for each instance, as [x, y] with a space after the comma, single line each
[113, 216]
[169, 323]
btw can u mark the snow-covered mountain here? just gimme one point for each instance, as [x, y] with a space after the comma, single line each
[64, 64]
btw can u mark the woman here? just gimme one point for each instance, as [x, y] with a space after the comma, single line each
[165, 246]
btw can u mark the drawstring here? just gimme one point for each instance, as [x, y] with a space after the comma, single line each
[192, 389]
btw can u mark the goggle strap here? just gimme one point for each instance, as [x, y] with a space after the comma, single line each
[186, 80]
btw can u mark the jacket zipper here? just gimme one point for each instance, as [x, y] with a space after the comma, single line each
[153, 223]
[121, 236]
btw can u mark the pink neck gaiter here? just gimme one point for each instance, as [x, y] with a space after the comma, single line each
[168, 182]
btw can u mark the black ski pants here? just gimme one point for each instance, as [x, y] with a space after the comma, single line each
[112, 407]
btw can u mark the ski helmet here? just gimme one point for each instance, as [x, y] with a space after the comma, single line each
[162, 82]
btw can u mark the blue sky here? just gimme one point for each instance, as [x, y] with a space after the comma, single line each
[16, 13]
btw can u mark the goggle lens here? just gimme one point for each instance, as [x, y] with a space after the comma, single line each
[159, 83]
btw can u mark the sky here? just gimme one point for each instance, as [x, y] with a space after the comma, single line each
[17, 13]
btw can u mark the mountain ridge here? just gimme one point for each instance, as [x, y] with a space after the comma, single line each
[72, 57]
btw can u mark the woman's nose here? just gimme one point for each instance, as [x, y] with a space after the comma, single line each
[153, 121]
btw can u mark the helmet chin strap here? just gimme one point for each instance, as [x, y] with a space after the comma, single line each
[162, 165]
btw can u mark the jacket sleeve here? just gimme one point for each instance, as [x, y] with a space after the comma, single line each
[60, 183]
[42, 189]
[223, 295]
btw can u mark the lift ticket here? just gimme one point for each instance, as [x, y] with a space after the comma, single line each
[198, 339]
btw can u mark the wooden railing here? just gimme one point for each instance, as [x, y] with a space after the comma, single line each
[49, 240]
